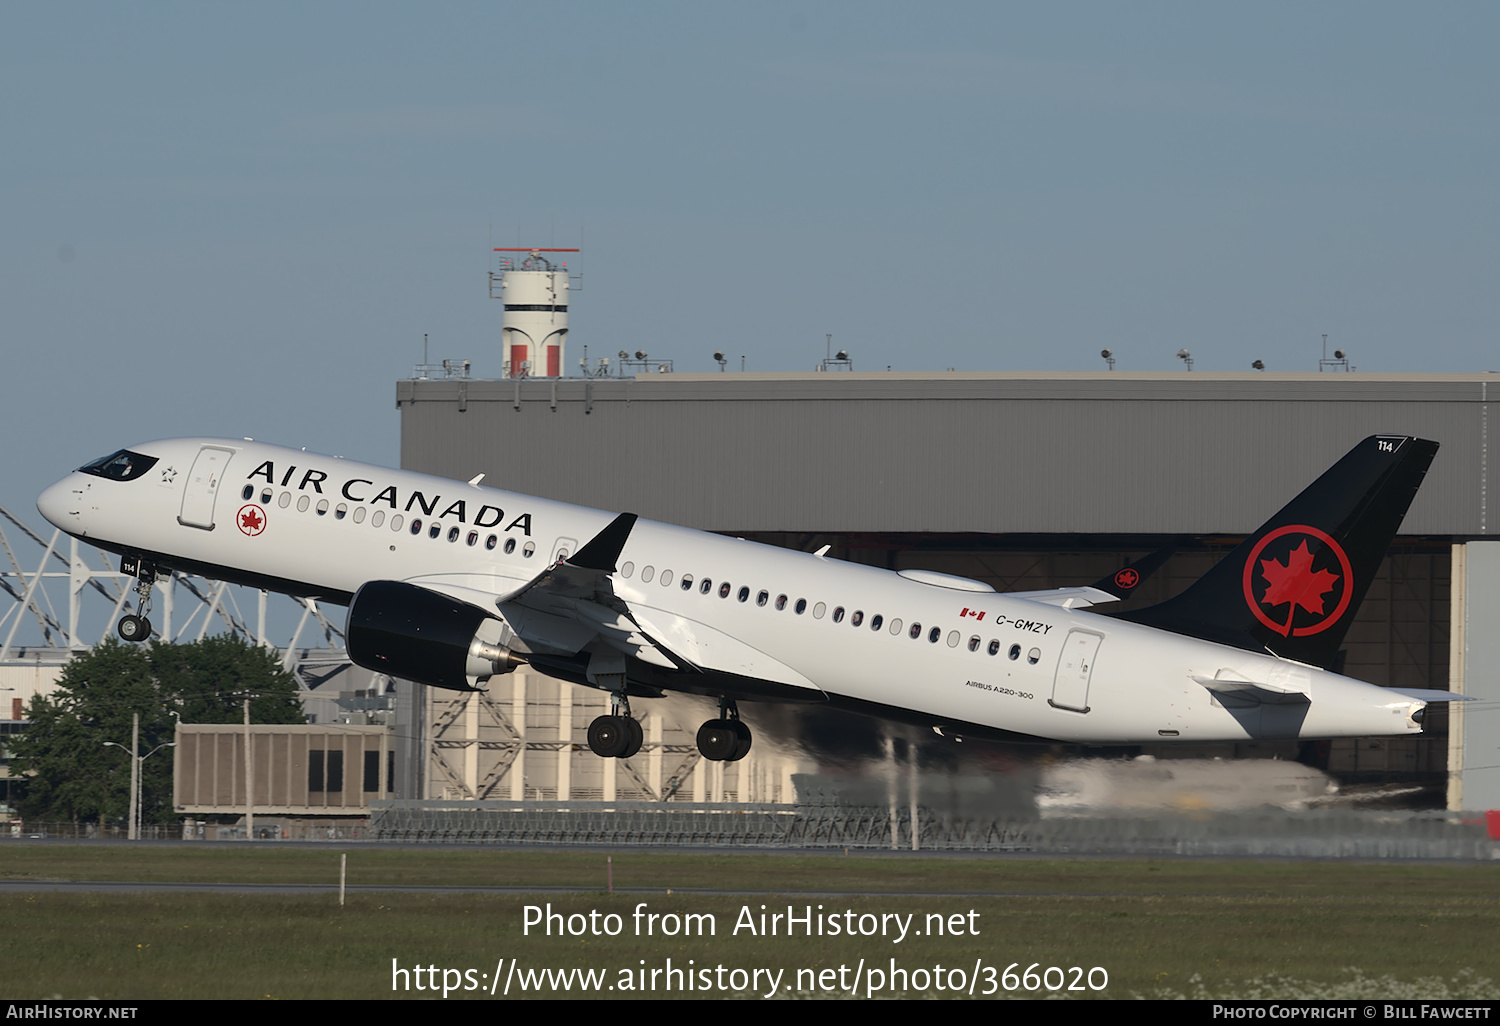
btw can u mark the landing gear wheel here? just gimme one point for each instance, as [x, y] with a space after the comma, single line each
[718, 740]
[133, 628]
[742, 735]
[608, 736]
[636, 739]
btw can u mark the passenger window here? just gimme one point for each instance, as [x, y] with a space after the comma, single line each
[934, 634]
[994, 648]
[396, 521]
[1034, 656]
[528, 549]
[1015, 651]
[974, 643]
[265, 496]
[436, 531]
[687, 582]
[762, 598]
[953, 639]
[341, 511]
[916, 631]
[896, 625]
[472, 539]
[875, 622]
[359, 515]
[724, 589]
[744, 594]
[666, 578]
[627, 568]
[706, 587]
[780, 603]
[302, 503]
[322, 507]
[491, 542]
[819, 610]
[838, 614]
[801, 606]
[285, 500]
[248, 491]
[857, 618]
[647, 572]
[378, 518]
[416, 526]
[510, 546]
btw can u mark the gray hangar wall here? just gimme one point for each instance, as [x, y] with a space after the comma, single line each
[1025, 480]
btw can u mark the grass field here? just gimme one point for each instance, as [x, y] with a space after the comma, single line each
[1194, 928]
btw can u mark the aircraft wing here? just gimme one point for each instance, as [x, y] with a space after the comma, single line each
[572, 603]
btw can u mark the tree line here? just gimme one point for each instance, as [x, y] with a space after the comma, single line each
[72, 774]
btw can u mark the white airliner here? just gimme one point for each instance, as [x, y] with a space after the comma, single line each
[450, 583]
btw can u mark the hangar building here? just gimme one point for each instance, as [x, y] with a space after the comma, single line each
[1029, 481]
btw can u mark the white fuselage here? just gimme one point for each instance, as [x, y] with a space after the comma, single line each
[952, 658]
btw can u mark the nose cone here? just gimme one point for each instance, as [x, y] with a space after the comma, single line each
[59, 504]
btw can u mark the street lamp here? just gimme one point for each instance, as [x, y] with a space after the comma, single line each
[134, 831]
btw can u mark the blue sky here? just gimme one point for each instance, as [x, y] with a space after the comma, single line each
[240, 219]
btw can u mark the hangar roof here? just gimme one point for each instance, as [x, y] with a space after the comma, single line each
[996, 453]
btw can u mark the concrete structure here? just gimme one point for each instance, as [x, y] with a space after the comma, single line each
[1030, 480]
[534, 325]
[526, 739]
[295, 770]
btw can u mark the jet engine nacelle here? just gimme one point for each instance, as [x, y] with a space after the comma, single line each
[420, 635]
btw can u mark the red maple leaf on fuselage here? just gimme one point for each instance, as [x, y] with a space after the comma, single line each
[1296, 582]
[250, 521]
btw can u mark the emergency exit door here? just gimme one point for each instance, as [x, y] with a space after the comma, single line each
[203, 487]
[1070, 688]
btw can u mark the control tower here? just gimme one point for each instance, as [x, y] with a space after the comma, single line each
[535, 323]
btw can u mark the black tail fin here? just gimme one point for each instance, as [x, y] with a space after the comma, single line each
[1294, 585]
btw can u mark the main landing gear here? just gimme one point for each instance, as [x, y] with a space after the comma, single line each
[619, 735]
[726, 739]
[135, 626]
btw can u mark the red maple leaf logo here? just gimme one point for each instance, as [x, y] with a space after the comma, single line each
[251, 520]
[1297, 583]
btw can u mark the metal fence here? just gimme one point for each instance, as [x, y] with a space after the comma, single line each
[1320, 834]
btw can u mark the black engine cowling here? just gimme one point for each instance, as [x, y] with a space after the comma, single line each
[420, 635]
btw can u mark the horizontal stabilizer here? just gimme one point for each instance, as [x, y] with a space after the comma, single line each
[1067, 598]
[1264, 694]
[1424, 695]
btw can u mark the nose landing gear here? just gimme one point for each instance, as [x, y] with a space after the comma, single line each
[134, 626]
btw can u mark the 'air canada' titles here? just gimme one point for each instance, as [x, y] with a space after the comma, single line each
[359, 489]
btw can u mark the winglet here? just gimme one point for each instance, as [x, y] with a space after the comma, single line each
[1122, 583]
[601, 551]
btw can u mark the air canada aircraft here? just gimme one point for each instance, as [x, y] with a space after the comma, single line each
[450, 583]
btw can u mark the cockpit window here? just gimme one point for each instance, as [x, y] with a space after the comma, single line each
[120, 466]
